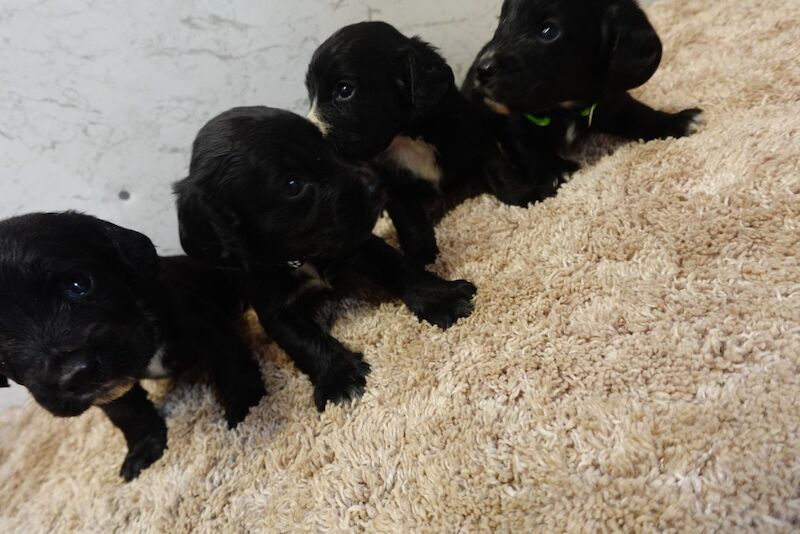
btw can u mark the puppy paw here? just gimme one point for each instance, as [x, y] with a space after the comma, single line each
[558, 172]
[444, 303]
[143, 454]
[238, 405]
[683, 123]
[695, 120]
[550, 177]
[345, 381]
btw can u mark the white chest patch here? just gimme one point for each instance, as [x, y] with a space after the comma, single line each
[572, 133]
[157, 369]
[417, 156]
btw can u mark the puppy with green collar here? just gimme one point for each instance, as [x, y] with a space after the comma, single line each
[555, 70]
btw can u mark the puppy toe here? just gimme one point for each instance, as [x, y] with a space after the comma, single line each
[461, 309]
[142, 455]
[465, 288]
[695, 120]
[446, 307]
[238, 409]
[346, 382]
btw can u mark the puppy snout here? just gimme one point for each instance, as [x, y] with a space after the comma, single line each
[75, 373]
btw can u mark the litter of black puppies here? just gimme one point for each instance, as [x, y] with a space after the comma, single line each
[557, 69]
[88, 309]
[278, 211]
[268, 200]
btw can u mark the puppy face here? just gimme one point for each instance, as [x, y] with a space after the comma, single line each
[368, 82]
[72, 326]
[549, 53]
[266, 188]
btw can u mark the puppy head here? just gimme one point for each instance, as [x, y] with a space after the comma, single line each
[368, 82]
[73, 329]
[265, 188]
[546, 53]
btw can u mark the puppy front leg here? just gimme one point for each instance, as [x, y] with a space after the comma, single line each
[533, 153]
[144, 429]
[625, 116]
[415, 230]
[338, 374]
[238, 379]
[431, 298]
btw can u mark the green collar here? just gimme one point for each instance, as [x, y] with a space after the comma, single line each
[545, 121]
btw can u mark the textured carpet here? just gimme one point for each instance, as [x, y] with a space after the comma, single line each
[632, 364]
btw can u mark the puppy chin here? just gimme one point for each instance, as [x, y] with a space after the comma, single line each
[72, 406]
[66, 407]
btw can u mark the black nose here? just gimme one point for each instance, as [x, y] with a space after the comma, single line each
[75, 373]
[487, 70]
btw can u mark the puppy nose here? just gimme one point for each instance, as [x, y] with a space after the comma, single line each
[487, 70]
[73, 373]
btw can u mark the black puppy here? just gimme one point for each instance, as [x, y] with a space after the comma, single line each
[268, 199]
[381, 96]
[87, 309]
[558, 68]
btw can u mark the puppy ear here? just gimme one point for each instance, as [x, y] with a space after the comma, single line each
[134, 249]
[4, 382]
[426, 78]
[208, 229]
[633, 46]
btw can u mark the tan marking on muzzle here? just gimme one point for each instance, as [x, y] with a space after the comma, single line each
[317, 121]
[496, 107]
[115, 393]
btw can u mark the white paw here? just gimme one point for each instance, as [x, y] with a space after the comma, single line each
[696, 123]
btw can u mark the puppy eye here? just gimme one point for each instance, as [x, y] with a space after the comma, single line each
[344, 91]
[294, 187]
[77, 288]
[549, 32]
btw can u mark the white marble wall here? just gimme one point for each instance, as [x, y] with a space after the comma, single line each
[103, 96]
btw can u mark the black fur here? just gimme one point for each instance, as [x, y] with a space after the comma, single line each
[266, 190]
[76, 349]
[555, 59]
[402, 88]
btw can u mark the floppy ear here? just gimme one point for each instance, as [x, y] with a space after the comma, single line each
[134, 249]
[208, 230]
[427, 77]
[634, 48]
[4, 382]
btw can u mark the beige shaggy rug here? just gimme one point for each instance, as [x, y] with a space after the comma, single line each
[633, 363]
